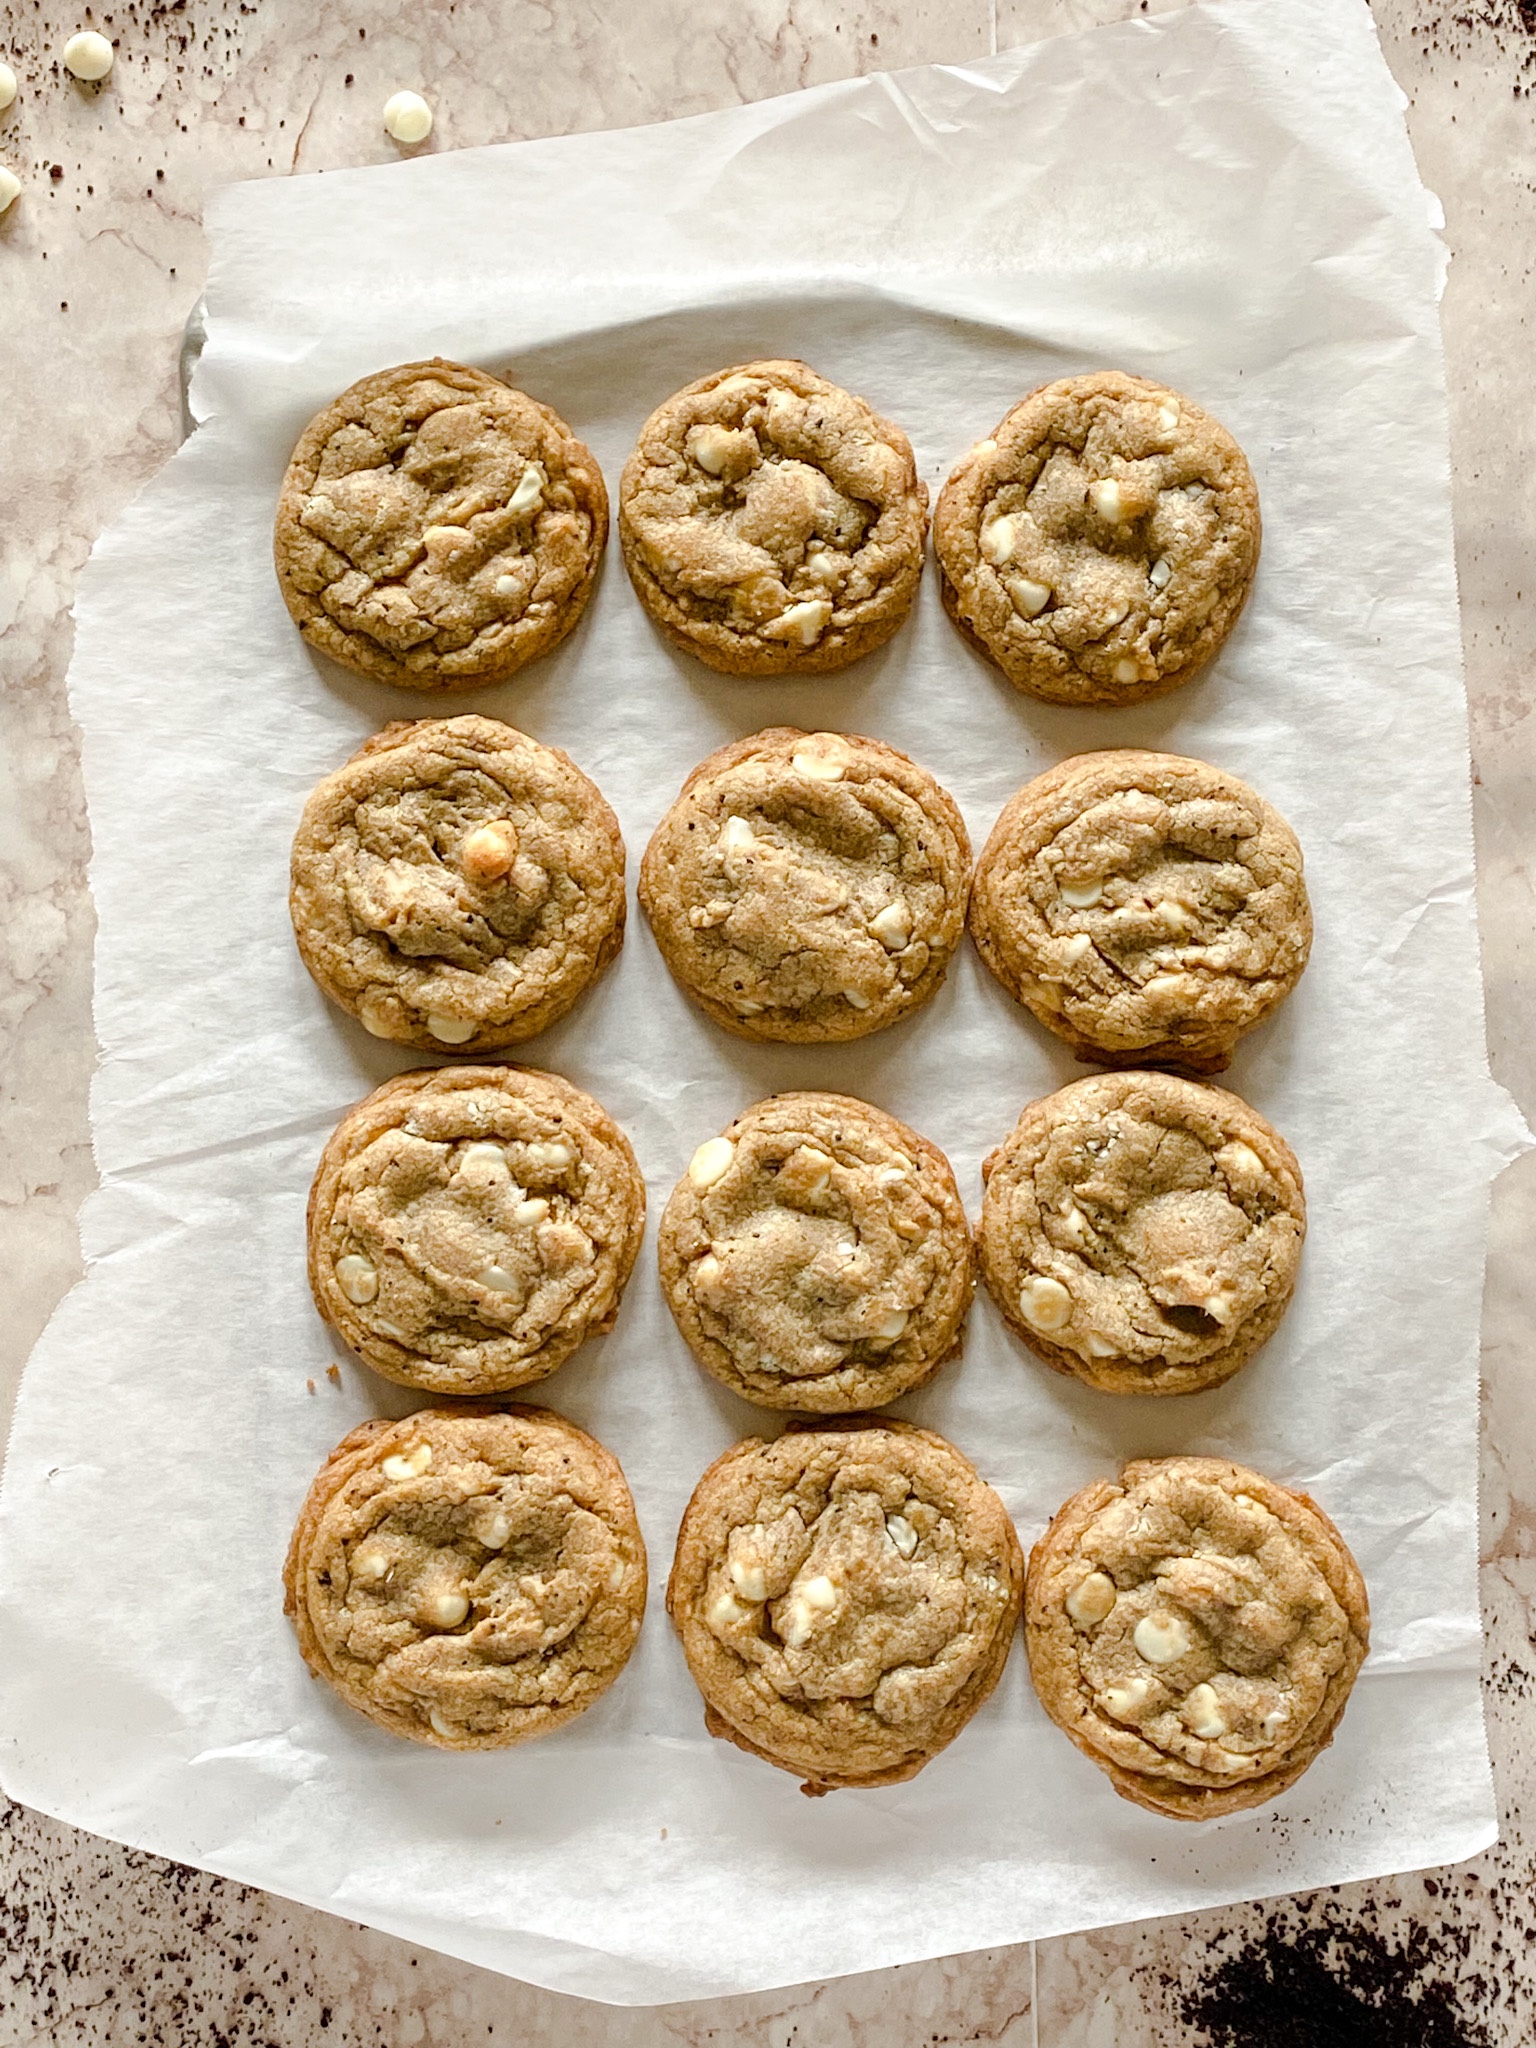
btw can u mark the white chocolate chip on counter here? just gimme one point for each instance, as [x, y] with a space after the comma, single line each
[447, 1610]
[823, 758]
[1161, 573]
[1083, 895]
[88, 56]
[1044, 1303]
[998, 537]
[1123, 1700]
[408, 1464]
[370, 1566]
[1027, 596]
[1093, 1599]
[1105, 499]
[737, 836]
[7, 92]
[529, 492]
[802, 623]
[489, 851]
[357, 1278]
[451, 1030]
[1160, 1638]
[407, 117]
[1202, 1712]
[893, 925]
[901, 1533]
[710, 1163]
[10, 187]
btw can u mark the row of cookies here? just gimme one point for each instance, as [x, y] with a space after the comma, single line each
[456, 886]
[846, 1598]
[438, 529]
[470, 1226]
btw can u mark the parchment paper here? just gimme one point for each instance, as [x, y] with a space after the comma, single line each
[1224, 200]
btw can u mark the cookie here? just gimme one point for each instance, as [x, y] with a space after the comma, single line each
[469, 1227]
[817, 1256]
[846, 1598]
[771, 523]
[468, 1578]
[1099, 546]
[456, 886]
[1142, 1232]
[438, 529]
[808, 886]
[1148, 909]
[1196, 1630]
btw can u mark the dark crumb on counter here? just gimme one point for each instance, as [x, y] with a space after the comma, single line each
[1463, 32]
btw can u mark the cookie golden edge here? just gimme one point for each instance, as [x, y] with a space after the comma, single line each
[819, 1397]
[690, 1564]
[1115, 1376]
[722, 650]
[383, 1110]
[360, 1448]
[561, 999]
[673, 935]
[952, 546]
[1328, 1551]
[1197, 1053]
[355, 651]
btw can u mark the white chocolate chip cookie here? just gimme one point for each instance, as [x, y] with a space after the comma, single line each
[1142, 1232]
[469, 1227]
[1147, 908]
[1195, 1629]
[817, 1256]
[846, 1598]
[456, 885]
[808, 886]
[771, 523]
[438, 529]
[1099, 546]
[468, 1578]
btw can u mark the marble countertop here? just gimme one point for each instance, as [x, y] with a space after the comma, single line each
[100, 261]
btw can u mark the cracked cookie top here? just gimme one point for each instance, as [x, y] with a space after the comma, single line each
[438, 529]
[771, 522]
[1147, 908]
[1099, 546]
[808, 886]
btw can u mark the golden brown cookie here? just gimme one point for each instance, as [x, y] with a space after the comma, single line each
[846, 1598]
[808, 886]
[1147, 908]
[437, 528]
[1195, 1628]
[816, 1255]
[456, 886]
[1100, 544]
[1142, 1232]
[771, 523]
[469, 1227]
[468, 1578]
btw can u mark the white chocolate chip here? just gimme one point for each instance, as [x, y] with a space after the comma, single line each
[737, 836]
[1176, 915]
[373, 1019]
[802, 623]
[489, 851]
[484, 1162]
[825, 759]
[534, 1210]
[408, 1464]
[1083, 895]
[1202, 1711]
[1168, 415]
[529, 492]
[506, 586]
[901, 1533]
[855, 999]
[1160, 1638]
[553, 1155]
[10, 187]
[1120, 613]
[820, 1594]
[1093, 1599]
[1220, 1306]
[1164, 988]
[748, 1580]
[1105, 498]
[442, 543]
[441, 1726]
[711, 446]
[887, 1176]
[1078, 947]
[1096, 1346]
[499, 1280]
[494, 1533]
[7, 86]
[1026, 595]
[407, 117]
[997, 540]
[747, 1008]
[1044, 1303]
[383, 1329]
[358, 1278]
[706, 1280]
[1273, 1722]
[1240, 1160]
[451, 1030]
[1224, 1760]
[890, 1326]
[723, 1610]
[893, 925]
[615, 1575]
[1246, 1500]
[1074, 1222]
[370, 1566]
[88, 56]
[810, 1159]
[1123, 1700]
[982, 450]
[1126, 671]
[447, 1610]
[1161, 573]
[827, 568]
[710, 1163]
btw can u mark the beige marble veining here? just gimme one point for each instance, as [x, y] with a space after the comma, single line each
[98, 268]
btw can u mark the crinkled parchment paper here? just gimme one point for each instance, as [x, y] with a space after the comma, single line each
[1224, 200]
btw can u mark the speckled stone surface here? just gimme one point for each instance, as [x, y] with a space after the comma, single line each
[100, 260]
